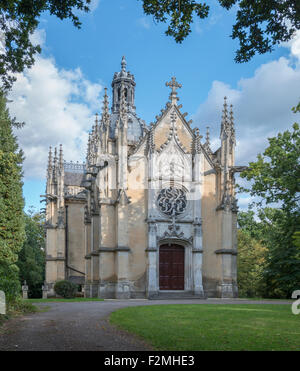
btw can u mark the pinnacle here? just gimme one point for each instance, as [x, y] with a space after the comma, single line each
[123, 64]
[207, 136]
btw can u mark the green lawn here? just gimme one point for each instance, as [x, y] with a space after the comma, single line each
[213, 327]
[61, 300]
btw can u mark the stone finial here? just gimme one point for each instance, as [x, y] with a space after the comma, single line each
[49, 160]
[207, 142]
[55, 164]
[123, 64]
[61, 160]
[55, 156]
[105, 109]
[231, 119]
[197, 145]
[225, 113]
[151, 138]
[88, 152]
[173, 84]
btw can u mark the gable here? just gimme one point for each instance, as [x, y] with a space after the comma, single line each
[163, 130]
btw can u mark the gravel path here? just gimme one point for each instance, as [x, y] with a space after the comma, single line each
[84, 326]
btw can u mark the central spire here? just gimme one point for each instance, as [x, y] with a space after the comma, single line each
[123, 79]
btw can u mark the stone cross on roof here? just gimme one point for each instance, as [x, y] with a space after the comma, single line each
[174, 85]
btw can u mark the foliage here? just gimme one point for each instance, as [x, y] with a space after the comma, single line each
[276, 173]
[31, 260]
[9, 282]
[259, 24]
[178, 13]
[11, 203]
[66, 289]
[274, 230]
[62, 300]
[23, 307]
[18, 20]
[282, 274]
[250, 265]
[296, 238]
[262, 24]
[193, 327]
[275, 179]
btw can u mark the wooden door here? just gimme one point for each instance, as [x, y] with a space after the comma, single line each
[171, 267]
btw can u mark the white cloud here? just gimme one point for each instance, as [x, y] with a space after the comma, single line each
[262, 107]
[294, 46]
[94, 5]
[38, 37]
[57, 107]
[143, 22]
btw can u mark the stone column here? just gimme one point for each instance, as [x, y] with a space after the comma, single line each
[88, 259]
[197, 258]
[45, 290]
[94, 256]
[227, 287]
[122, 263]
[122, 250]
[25, 290]
[152, 289]
[2, 302]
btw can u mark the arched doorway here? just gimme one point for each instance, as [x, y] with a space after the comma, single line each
[171, 267]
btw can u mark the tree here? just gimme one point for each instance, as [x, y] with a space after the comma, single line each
[275, 179]
[31, 260]
[282, 272]
[273, 230]
[259, 24]
[251, 264]
[11, 203]
[276, 173]
[18, 20]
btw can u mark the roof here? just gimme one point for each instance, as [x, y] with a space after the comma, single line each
[74, 179]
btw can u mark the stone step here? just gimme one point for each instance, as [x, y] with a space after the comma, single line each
[177, 295]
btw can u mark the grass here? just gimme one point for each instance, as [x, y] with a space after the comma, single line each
[61, 300]
[268, 299]
[213, 327]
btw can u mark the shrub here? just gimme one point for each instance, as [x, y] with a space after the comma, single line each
[9, 282]
[11, 288]
[65, 289]
[22, 306]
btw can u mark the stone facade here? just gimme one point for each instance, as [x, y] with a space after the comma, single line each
[152, 212]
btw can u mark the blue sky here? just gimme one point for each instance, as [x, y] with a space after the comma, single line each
[59, 96]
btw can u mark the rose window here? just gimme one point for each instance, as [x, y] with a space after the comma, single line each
[172, 201]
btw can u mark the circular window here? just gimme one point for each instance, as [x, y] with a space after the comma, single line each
[172, 201]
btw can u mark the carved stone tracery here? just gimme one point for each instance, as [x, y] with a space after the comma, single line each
[172, 201]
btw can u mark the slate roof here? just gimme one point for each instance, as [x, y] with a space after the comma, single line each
[74, 179]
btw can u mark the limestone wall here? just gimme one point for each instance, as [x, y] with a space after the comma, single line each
[76, 239]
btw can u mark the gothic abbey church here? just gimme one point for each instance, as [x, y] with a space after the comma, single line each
[152, 211]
